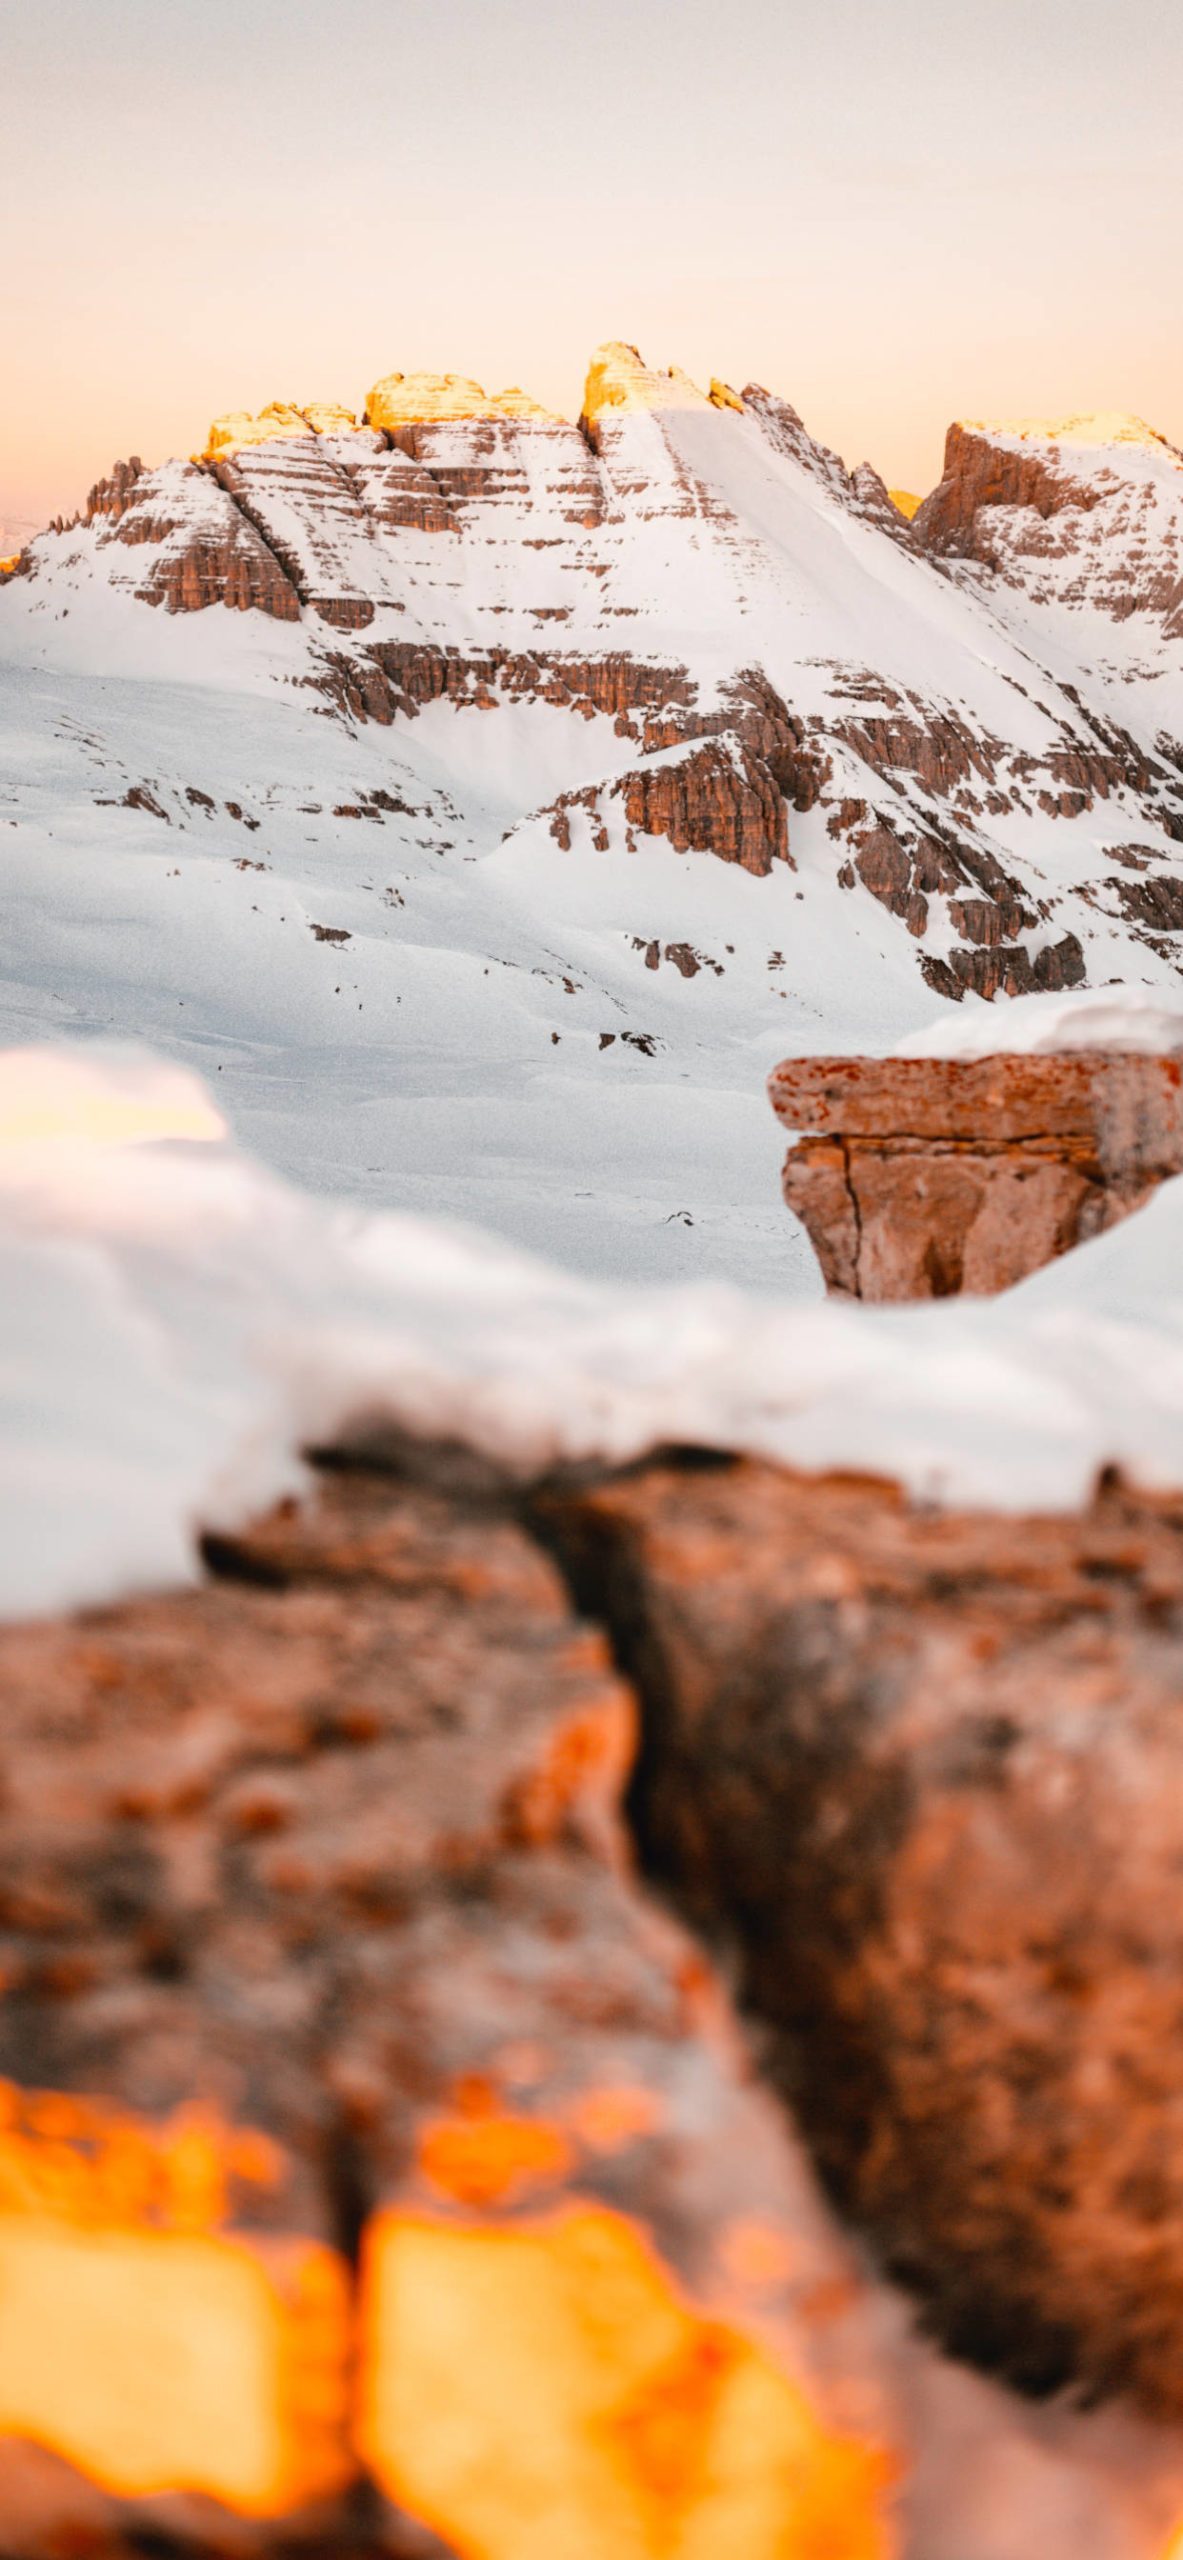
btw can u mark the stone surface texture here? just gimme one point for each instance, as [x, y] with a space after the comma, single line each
[386, 2170]
[926, 1774]
[923, 1177]
[411, 2151]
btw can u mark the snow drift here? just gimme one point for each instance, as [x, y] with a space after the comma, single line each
[178, 1323]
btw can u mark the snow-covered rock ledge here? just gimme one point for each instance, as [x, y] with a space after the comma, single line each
[177, 1324]
[986, 1147]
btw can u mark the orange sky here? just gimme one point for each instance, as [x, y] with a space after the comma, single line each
[892, 213]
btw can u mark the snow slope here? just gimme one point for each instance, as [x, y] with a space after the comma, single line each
[484, 803]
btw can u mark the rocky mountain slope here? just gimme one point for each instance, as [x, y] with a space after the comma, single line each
[492, 799]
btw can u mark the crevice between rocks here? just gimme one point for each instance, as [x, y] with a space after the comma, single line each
[253, 525]
[811, 1682]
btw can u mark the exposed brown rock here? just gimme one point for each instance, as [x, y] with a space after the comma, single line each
[931, 1768]
[113, 496]
[936, 746]
[1026, 505]
[741, 763]
[367, 529]
[648, 700]
[487, 464]
[713, 799]
[208, 550]
[983, 969]
[905, 862]
[1156, 902]
[302, 498]
[380, 2170]
[233, 571]
[925, 1176]
[980, 473]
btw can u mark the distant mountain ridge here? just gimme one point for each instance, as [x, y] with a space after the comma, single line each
[680, 627]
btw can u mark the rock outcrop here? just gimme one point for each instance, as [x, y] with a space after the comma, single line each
[920, 1177]
[928, 1771]
[434, 399]
[620, 380]
[380, 2169]
[277, 423]
[721, 782]
[384, 2170]
[994, 468]
[1071, 514]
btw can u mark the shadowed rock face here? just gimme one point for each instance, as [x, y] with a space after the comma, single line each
[927, 1176]
[1074, 511]
[984, 471]
[926, 1774]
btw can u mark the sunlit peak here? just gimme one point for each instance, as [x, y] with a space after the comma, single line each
[1088, 431]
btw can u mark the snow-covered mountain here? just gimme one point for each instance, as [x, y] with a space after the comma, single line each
[490, 800]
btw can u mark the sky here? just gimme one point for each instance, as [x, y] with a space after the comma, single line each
[895, 212]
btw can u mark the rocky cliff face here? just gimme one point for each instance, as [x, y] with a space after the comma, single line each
[921, 1177]
[704, 528]
[1077, 525]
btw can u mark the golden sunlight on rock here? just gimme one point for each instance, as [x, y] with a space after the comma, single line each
[542, 2391]
[329, 418]
[144, 2345]
[155, 2362]
[437, 399]
[238, 427]
[1090, 430]
[516, 403]
[481, 2159]
[619, 378]
[906, 500]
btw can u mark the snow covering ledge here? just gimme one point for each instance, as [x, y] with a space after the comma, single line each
[987, 1146]
[1125, 1020]
[177, 1324]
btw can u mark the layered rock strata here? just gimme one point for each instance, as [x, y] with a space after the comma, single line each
[983, 803]
[921, 1177]
[1063, 518]
[204, 548]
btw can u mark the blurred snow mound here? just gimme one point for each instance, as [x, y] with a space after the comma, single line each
[176, 1324]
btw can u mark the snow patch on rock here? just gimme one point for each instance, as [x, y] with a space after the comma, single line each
[1123, 1018]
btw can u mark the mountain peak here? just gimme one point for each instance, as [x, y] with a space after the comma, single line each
[280, 418]
[1087, 431]
[435, 399]
[619, 378]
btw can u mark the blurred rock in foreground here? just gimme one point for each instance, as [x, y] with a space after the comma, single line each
[384, 2170]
